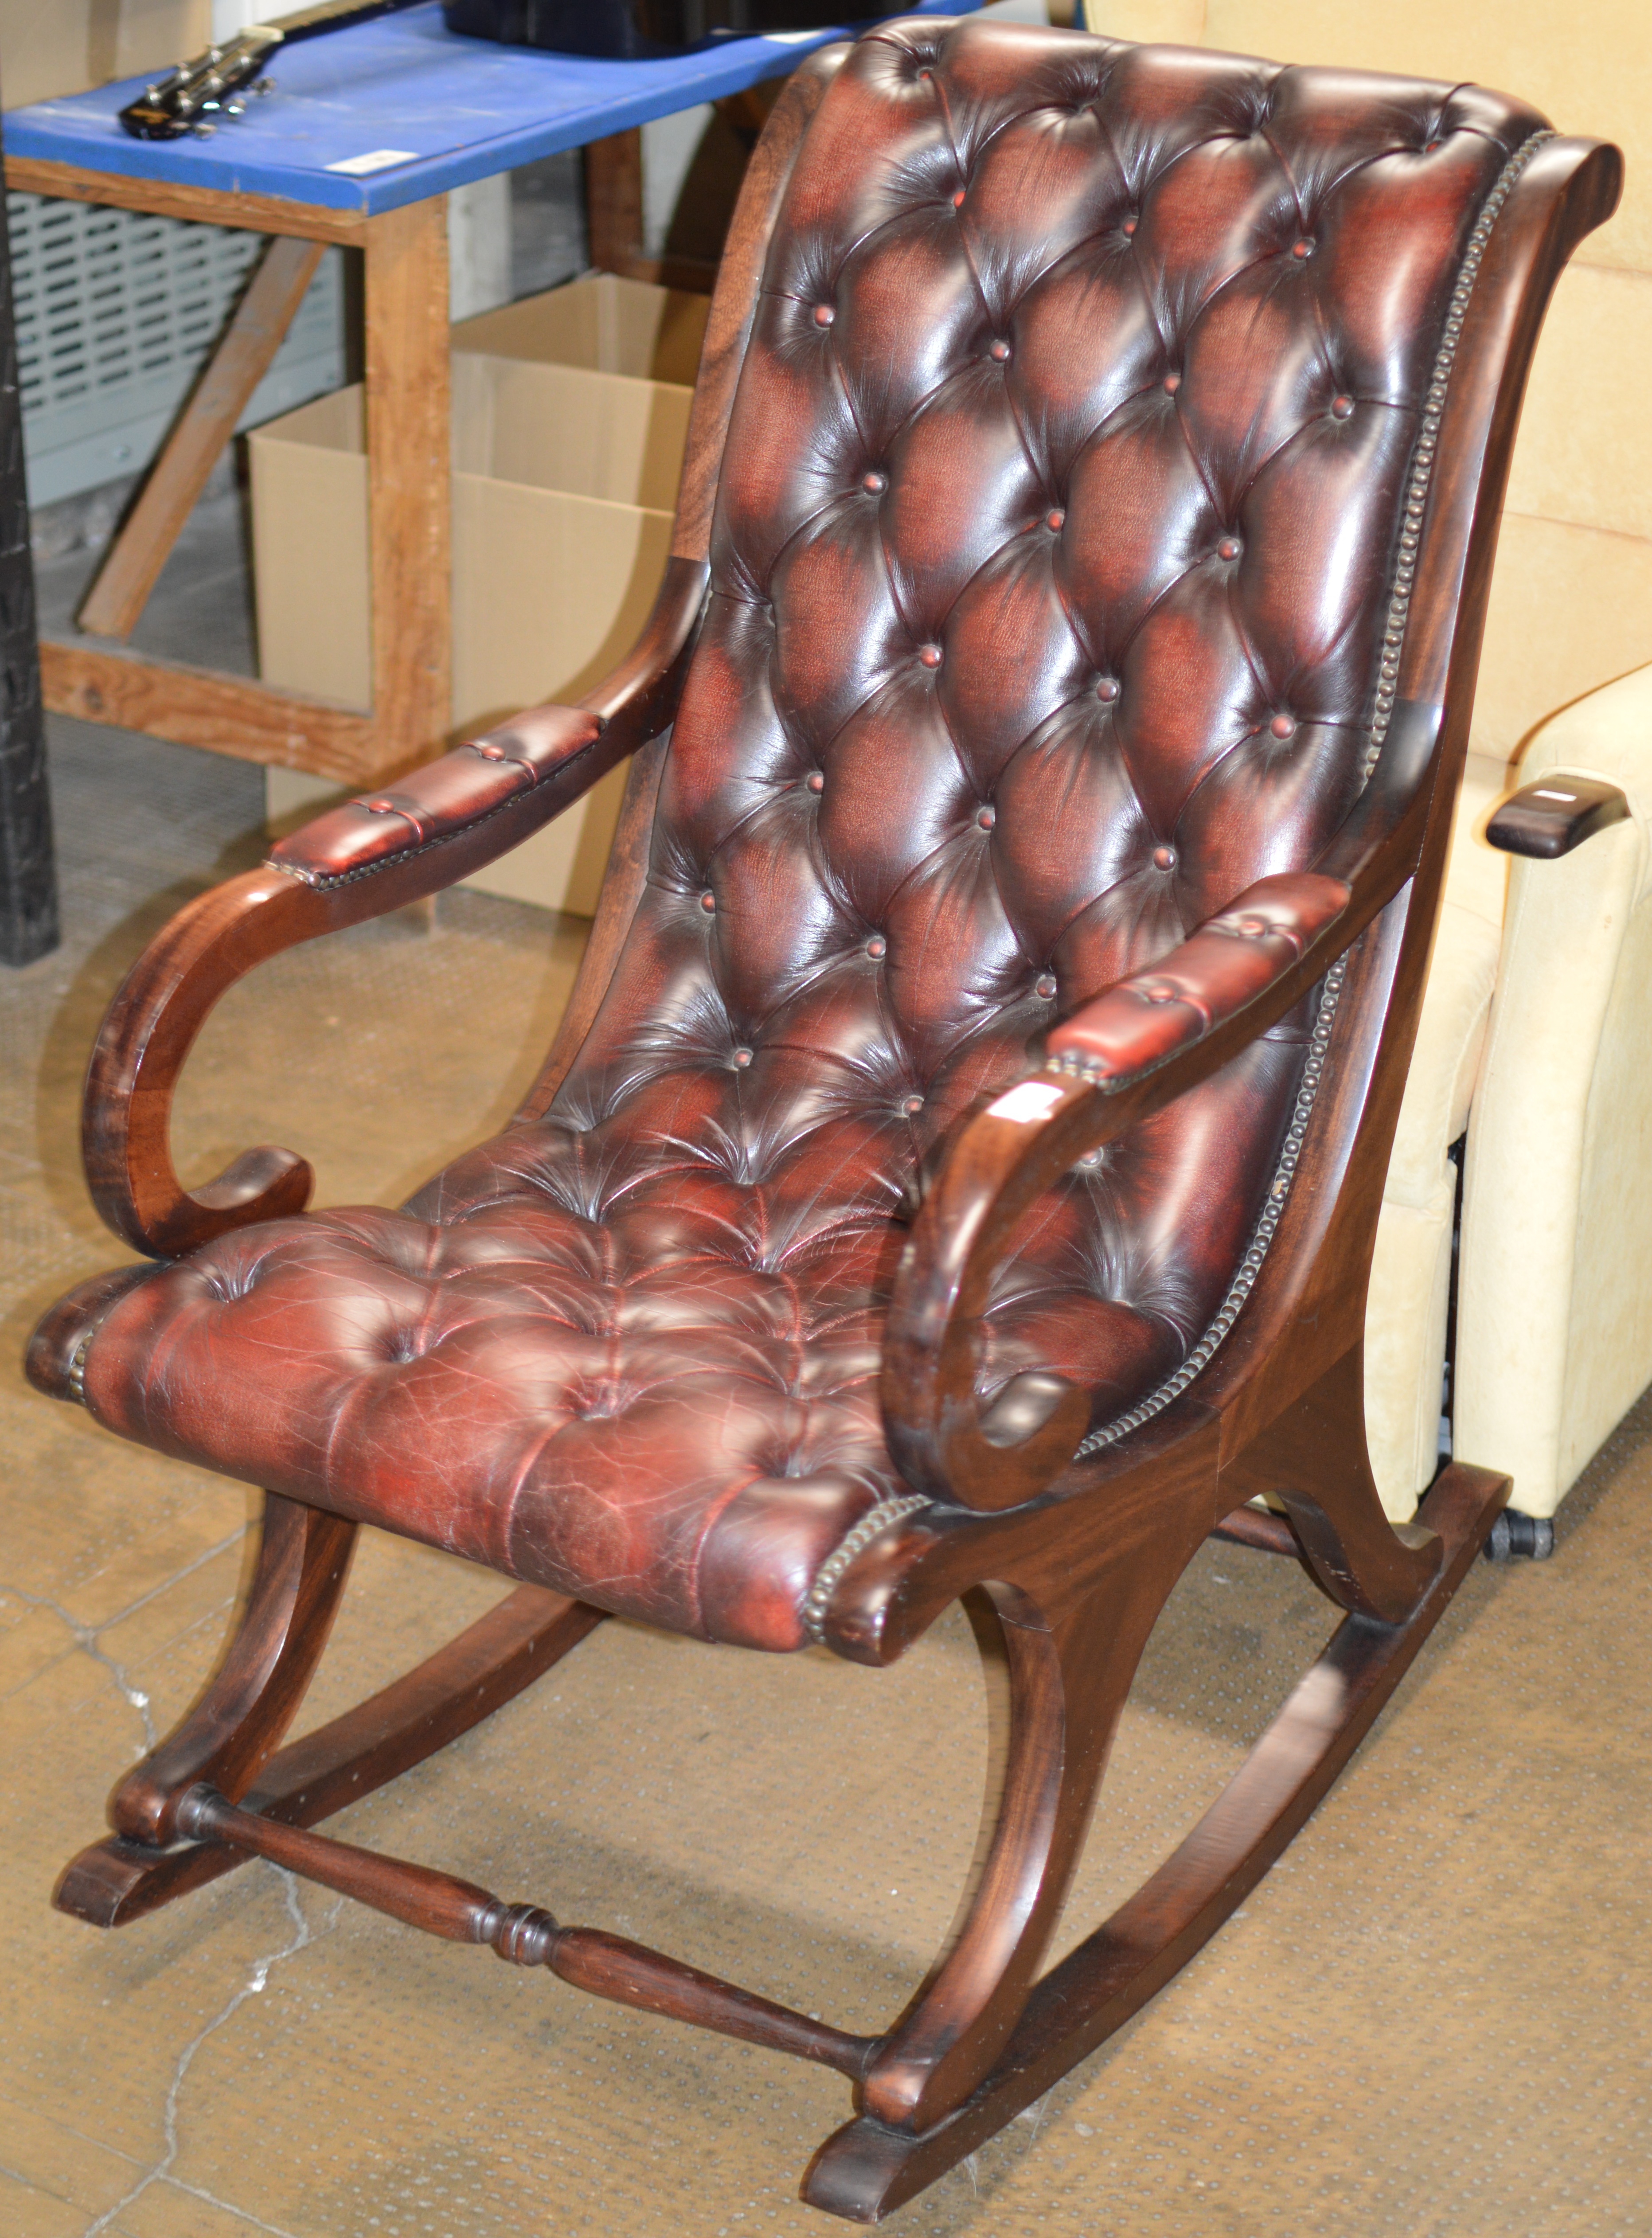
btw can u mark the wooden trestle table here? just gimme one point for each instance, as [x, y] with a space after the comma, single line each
[358, 142]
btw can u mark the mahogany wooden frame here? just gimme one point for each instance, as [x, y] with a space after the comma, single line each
[1063, 1564]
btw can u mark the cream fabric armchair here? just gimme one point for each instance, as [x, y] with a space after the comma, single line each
[1535, 1038]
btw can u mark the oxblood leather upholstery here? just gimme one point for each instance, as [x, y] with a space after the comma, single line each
[1049, 577]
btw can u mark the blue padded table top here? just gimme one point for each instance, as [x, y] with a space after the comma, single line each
[448, 110]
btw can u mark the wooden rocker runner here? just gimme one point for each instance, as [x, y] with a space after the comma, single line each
[957, 1172]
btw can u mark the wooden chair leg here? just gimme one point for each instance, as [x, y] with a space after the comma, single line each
[225, 1741]
[1067, 1687]
[245, 1706]
[868, 2167]
[1314, 1460]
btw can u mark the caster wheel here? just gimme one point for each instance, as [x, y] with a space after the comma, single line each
[1515, 1537]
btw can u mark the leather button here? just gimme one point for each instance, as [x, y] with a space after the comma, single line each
[930, 655]
[911, 1106]
[1282, 727]
[1056, 520]
[1044, 986]
[1172, 383]
[1229, 548]
[1164, 858]
[824, 313]
[877, 945]
[741, 1058]
[1342, 407]
[707, 901]
[1253, 927]
[1000, 351]
[1130, 224]
[987, 818]
[380, 807]
[1301, 248]
[874, 485]
[1160, 994]
[1107, 687]
[958, 199]
[815, 781]
[490, 753]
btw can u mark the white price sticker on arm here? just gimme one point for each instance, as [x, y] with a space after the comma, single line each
[1027, 1100]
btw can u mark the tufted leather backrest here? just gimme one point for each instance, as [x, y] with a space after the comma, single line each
[1050, 571]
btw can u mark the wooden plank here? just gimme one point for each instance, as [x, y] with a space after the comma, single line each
[200, 205]
[221, 395]
[408, 489]
[225, 714]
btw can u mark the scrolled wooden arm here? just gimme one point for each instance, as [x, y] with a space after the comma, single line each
[390, 847]
[1123, 1056]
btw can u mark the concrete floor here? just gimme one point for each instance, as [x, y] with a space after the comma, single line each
[1431, 2018]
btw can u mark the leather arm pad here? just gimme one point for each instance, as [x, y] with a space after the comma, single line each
[1142, 1021]
[441, 800]
[1557, 813]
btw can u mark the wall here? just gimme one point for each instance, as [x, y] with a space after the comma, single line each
[49, 47]
[1571, 605]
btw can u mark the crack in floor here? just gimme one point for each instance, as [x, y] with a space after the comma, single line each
[303, 1936]
[86, 1636]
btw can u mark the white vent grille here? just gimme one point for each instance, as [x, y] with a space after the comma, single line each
[115, 312]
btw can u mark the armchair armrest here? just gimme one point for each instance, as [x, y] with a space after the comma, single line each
[1123, 1056]
[1548, 819]
[444, 799]
[373, 855]
[1150, 1018]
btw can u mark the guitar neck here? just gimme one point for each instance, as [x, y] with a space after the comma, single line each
[334, 16]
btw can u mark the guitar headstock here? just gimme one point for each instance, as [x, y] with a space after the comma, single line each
[193, 98]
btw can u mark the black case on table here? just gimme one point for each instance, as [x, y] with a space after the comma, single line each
[630, 30]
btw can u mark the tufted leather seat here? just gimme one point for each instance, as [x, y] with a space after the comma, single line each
[1051, 568]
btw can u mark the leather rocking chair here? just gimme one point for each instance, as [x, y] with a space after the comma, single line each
[956, 1174]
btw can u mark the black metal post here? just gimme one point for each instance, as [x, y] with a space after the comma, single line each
[28, 882]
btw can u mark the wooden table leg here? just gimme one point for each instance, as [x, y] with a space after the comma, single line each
[614, 201]
[231, 372]
[408, 466]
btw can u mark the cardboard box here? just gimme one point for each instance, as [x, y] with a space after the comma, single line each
[51, 47]
[567, 451]
[605, 323]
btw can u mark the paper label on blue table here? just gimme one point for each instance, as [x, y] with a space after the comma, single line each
[379, 159]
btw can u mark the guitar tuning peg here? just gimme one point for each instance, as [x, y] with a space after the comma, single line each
[235, 108]
[203, 131]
